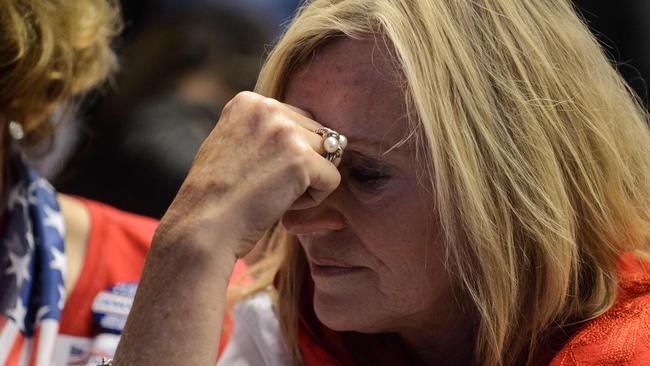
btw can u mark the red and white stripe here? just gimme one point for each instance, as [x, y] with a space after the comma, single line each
[18, 350]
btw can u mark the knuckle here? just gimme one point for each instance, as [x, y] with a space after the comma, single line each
[227, 108]
[243, 101]
[282, 133]
[246, 97]
[272, 105]
[258, 108]
[248, 100]
[255, 110]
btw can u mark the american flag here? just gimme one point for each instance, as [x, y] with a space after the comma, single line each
[32, 269]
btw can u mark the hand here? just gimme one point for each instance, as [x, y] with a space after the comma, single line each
[262, 159]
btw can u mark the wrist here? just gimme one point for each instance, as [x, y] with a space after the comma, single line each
[191, 254]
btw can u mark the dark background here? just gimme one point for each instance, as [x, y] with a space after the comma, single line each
[137, 139]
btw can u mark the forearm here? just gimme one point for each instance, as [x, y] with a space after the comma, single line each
[178, 311]
[261, 160]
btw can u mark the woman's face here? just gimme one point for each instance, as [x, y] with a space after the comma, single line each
[371, 246]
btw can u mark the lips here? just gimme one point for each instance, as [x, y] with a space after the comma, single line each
[321, 267]
[328, 258]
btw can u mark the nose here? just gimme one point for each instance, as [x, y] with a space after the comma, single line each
[322, 218]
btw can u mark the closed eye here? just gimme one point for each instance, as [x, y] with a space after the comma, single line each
[367, 176]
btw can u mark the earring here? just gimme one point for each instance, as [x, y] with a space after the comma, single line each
[16, 130]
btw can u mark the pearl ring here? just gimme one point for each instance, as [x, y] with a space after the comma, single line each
[333, 143]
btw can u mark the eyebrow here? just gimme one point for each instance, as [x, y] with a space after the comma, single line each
[373, 158]
[362, 140]
[370, 160]
[355, 140]
[380, 149]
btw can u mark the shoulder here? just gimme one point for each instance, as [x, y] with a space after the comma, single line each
[621, 336]
[117, 242]
[109, 251]
[256, 337]
[113, 235]
[116, 220]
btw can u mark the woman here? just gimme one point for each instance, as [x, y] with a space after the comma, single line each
[60, 256]
[490, 207]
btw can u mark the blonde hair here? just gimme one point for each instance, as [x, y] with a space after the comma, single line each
[536, 151]
[51, 50]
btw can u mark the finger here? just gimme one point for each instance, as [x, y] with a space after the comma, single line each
[316, 142]
[305, 120]
[301, 112]
[300, 116]
[324, 178]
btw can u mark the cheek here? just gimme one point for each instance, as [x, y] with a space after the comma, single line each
[402, 242]
[410, 279]
[399, 242]
[398, 228]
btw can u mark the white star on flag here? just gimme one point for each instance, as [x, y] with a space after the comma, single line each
[58, 261]
[18, 314]
[61, 297]
[43, 183]
[16, 197]
[19, 267]
[54, 219]
[33, 188]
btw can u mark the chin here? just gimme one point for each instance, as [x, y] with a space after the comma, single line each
[343, 314]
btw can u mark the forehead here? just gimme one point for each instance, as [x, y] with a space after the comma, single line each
[353, 87]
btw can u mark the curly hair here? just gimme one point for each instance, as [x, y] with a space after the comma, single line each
[50, 51]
